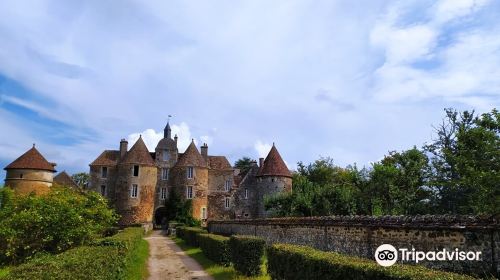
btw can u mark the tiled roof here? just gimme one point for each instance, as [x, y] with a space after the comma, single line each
[191, 157]
[274, 165]
[32, 159]
[166, 143]
[138, 154]
[108, 157]
[219, 163]
[64, 179]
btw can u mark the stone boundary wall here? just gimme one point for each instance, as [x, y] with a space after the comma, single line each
[361, 235]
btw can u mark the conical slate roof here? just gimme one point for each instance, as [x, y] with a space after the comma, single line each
[32, 159]
[138, 154]
[191, 157]
[274, 165]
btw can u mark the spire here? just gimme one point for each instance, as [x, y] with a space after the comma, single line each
[274, 165]
[167, 131]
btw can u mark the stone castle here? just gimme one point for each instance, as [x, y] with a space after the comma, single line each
[138, 182]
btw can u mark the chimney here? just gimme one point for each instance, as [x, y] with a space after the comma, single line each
[123, 147]
[204, 151]
[261, 161]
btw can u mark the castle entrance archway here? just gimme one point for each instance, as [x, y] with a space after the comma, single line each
[161, 217]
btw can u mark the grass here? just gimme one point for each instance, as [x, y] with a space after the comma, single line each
[4, 271]
[218, 272]
[137, 265]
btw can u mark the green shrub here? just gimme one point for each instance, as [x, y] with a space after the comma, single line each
[247, 253]
[215, 247]
[190, 235]
[286, 261]
[62, 219]
[109, 260]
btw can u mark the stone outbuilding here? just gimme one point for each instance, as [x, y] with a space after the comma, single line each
[30, 172]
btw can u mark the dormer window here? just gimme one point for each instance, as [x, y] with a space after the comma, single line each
[165, 155]
[190, 172]
[104, 172]
[135, 171]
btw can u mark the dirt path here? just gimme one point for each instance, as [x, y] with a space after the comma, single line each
[168, 261]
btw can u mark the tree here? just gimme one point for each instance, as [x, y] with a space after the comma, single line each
[81, 179]
[465, 163]
[397, 183]
[51, 223]
[179, 209]
[244, 164]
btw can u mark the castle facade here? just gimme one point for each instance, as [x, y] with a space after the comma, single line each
[138, 182]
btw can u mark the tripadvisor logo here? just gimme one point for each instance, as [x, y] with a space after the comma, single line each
[387, 255]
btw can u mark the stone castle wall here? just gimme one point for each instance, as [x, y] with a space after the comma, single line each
[25, 181]
[270, 186]
[137, 210]
[361, 235]
[199, 182]
[217, 194]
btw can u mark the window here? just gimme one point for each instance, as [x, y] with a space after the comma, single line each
[163, 193]
[189, 192]
[204, 213]
[103, 190]
[272, 180]
[165, 155]
[134, 191]
[190, 171]
[164, 173]
[246, 193]
[227, 187]
[21, 175]
[104, 172]
[136, 171]
[226, 202]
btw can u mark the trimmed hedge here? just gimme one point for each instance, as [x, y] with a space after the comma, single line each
[107, 258]
[286, 261]
[190, 234]
[247, 253]
[215, 247]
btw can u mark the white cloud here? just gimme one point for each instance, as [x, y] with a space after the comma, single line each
[262, 148]
[446, 10]
[149, 136]
[451, 71]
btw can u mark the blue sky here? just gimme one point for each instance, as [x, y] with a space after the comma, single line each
[347, 79]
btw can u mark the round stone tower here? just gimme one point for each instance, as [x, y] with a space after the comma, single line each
[273, 177]
[31, 172]
[166, 153]
[135, 186]
[191, 180]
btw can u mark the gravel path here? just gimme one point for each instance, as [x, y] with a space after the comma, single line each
[168, 261]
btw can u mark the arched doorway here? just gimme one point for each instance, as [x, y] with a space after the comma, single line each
[161, 217]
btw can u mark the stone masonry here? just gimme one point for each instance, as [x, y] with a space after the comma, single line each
[361, 235]
[138, 182]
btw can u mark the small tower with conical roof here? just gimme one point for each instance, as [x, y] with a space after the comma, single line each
[30, 172]
[135, 185]
[273, 177]
[190, 176]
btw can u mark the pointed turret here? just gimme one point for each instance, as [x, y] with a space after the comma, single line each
[192, 157]
[32, 159]
[139, 154]
[167, 132]
[274, 165]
